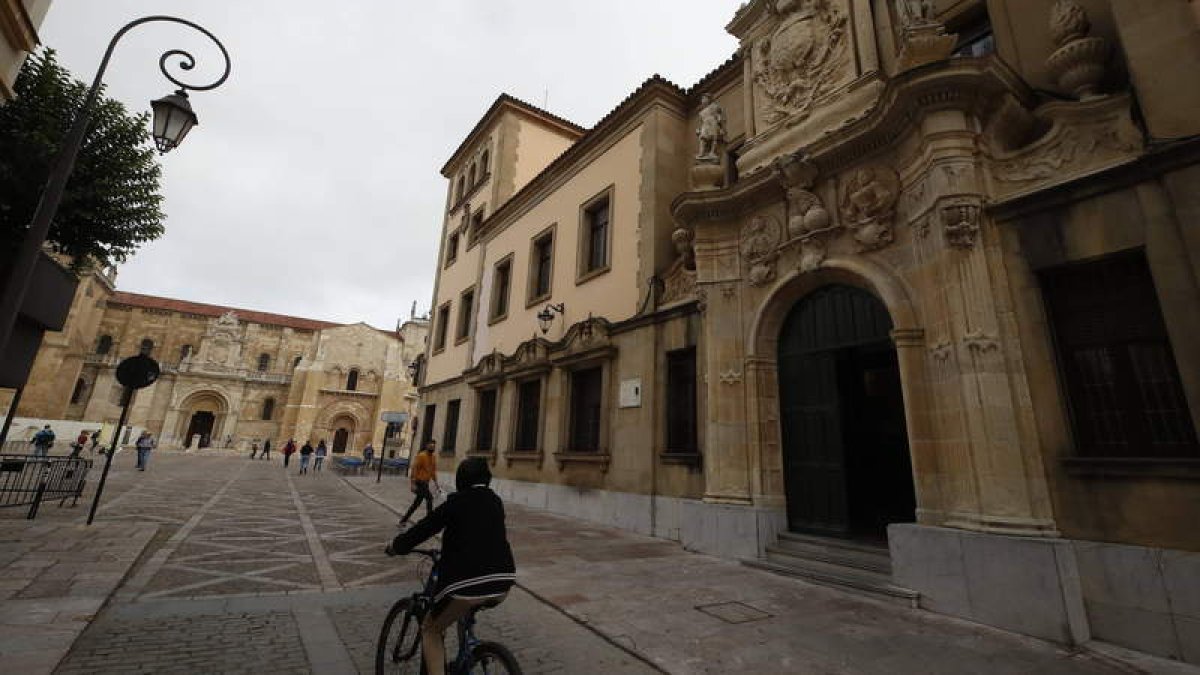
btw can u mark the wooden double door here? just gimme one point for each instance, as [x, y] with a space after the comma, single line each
[847, 470]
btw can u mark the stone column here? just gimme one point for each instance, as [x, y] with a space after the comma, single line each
[727, 463]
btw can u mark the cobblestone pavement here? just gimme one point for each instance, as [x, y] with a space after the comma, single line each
[255, 569]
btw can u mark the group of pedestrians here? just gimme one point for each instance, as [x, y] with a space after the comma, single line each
[44, 439]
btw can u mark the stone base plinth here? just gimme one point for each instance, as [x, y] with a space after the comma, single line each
[924, 44]
[707, 176]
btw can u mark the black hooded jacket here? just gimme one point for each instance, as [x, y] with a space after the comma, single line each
[476, 558]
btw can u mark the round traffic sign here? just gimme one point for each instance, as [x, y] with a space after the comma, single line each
[138, 371]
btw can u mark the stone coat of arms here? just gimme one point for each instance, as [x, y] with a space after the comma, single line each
[803, 58]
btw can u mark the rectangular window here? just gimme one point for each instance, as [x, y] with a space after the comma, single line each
[443, 319]
[594, 236]
[466, 307]
[586, 401]
[451, 249]
[529, 403]
[427, 423]
[485, 423]
[501, 283]
[974, 31]
[1123, 387]
[450, 433]
[681, 401]
[541, 267]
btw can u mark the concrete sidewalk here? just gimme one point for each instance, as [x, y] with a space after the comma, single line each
[54, 578]
[691, 613]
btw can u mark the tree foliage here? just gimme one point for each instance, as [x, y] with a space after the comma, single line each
[111, 204]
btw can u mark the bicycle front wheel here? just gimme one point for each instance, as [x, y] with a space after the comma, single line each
[397, 650]
[493, 659]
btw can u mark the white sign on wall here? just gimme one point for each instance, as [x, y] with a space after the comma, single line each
[631, 393]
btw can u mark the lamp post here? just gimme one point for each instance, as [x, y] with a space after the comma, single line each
[173, 119]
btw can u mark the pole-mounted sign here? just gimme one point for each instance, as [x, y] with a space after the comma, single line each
[135, 372]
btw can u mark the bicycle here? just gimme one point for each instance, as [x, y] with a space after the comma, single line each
[398, 649]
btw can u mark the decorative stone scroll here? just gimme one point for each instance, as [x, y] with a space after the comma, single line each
[803, 58]
[868, 205]
[808, 220]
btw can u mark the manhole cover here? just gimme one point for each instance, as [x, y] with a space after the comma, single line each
[733, 612]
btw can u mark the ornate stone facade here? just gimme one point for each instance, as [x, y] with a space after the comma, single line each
[230, 376]
[934, 243]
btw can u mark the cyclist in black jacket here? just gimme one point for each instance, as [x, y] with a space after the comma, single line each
[476, 566]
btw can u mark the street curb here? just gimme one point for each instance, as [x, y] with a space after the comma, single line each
[596, 631]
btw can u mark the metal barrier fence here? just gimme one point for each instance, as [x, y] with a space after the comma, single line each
[29, 479]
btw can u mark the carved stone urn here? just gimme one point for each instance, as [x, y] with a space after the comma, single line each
[1080, 61]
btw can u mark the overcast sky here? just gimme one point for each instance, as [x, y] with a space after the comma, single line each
[311, 186]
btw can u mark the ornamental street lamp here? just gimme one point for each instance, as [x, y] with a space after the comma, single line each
[173, 119]
[546, 316]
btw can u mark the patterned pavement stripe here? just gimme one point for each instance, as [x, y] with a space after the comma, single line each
[135, 585]
[329, 580]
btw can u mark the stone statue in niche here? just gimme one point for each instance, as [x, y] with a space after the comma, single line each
[682, 238]
[803, 58]
[868, 205]
[710, 131]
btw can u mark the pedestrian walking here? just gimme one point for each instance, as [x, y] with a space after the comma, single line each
[305, 455]
[288, 451]
[266, 453]
[424, 470]
[42, 441]
[320, 456]
[145, 443]
[368, 454]
[78, 445]
[95, 441]
[253, 449]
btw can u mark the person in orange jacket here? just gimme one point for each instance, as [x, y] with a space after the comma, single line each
[423, 470]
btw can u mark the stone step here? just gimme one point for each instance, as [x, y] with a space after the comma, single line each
[834, 552]
[863, 582]
[833, 542]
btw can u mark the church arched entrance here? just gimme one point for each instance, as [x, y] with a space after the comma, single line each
[847, 469]
[343, 434]
[200, 428]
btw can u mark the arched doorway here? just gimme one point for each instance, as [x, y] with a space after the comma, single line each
[340, 438]
[343, 428]
[847, 470]
[200, 429]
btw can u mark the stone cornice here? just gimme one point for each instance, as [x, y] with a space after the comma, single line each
[973, 85]
[727, 203]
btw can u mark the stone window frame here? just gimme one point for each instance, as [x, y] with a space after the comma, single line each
[531, 278]
[449, 444]
[583, 254]
[77, 393]
[146, 347]
[104, 345]
[263, 365]
[426, 421]
[268, 409]
[514, 452]
[669, 454]
[494, 316]
[497, 390]
[603, 359]
[352, 379]
[466, 309]
[451, 249]
[440, 328]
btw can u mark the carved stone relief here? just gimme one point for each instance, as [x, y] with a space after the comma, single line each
[960, 223]
[760, 239]
[804, 57]
[868, 205]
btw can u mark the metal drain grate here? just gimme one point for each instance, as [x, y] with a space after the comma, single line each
[733, 612]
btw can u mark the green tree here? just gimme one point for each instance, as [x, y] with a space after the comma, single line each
[111, 204]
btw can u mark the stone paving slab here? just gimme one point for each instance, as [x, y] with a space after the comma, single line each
[55, 578]
[692, 613]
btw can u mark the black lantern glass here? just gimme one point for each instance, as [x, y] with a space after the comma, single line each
[173, 119]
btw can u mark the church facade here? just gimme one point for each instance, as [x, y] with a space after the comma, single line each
[230, 377]
[901, 287]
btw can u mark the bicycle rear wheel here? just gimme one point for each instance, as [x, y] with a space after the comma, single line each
[491, 658]
[397, 650]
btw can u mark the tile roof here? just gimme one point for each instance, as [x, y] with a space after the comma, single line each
[203, 309]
